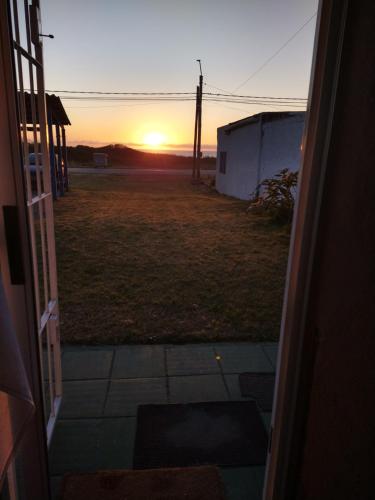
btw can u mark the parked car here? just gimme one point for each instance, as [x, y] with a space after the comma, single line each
[32, 169]
[32, 161]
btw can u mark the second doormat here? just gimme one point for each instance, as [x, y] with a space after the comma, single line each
[224, 433]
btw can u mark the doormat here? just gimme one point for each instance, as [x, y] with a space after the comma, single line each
[224, 433]
[192, 483]
[258, 386]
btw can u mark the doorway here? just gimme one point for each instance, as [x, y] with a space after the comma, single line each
[219, 355]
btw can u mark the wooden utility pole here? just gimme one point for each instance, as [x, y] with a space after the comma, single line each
[195, 136]
[198, 128]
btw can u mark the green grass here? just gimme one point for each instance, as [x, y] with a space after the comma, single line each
[155, 259]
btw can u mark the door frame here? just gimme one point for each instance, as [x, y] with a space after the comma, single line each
[296, 352]
[297, 342]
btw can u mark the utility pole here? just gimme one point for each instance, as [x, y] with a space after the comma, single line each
[195, 136]
[198, 128]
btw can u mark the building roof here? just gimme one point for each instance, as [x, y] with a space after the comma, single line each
[267, 116]
[55, 109]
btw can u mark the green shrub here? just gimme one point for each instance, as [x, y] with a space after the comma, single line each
[277, 196]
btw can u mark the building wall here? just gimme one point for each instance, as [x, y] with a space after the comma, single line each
[242, 148]
[281, 148]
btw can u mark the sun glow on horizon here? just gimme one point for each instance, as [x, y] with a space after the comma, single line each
[154, 139]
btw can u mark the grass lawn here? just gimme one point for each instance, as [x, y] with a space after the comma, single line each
[147, 259]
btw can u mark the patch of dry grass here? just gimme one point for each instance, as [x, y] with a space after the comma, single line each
[154, 259]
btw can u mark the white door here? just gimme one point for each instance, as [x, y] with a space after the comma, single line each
[25, 29]
[27, 248]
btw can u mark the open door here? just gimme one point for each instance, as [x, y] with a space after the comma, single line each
[298, 339]
[27, 245]
[322, 444]
[28, 83]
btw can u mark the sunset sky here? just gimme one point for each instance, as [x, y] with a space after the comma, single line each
[152, 46]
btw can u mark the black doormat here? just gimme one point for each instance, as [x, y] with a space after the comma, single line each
[224, 433]
[258, 386]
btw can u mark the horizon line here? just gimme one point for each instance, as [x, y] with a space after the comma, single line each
[166, 147]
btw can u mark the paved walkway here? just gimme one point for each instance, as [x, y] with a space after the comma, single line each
[137, 171]
[104, 385]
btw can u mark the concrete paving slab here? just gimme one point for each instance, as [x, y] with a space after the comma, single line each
[139, 362]
[74, 446]
[191, 360]
[86, 444]
[116, 443]
[83, 398]
[240, 357]
[232, 382]
[259, 473]
[235, 395]
[271, 350]
[197, 388]
[234, 387]
[125, 395]
[267, 419]
[86, 364]
[241, 483]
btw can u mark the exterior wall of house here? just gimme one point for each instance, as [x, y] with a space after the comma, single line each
[242, 150]
[249, 160]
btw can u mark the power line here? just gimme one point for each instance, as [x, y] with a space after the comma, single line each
[113, 106]
[118, 93]
[240, 109]
[216, 88]
[289, 104]
[275, 53]
[172, 94]
[229, 107]
[258, 97]
[259, 103]
[121, 99]
[181, 99]
[276, 107]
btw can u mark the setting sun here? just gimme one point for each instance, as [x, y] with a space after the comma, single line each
[153, 139]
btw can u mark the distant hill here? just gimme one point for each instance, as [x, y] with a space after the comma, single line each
[123, 156]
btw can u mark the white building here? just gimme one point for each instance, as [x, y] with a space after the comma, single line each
[257, 148]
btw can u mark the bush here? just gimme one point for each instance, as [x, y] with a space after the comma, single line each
[277, 196]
